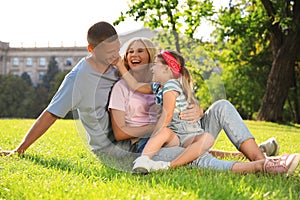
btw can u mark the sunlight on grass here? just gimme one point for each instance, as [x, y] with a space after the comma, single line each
[60, 166]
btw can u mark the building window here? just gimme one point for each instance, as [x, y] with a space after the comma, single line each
[41, 75]
[42, 62]
[16, 62]
[69, 62]
[28, 62]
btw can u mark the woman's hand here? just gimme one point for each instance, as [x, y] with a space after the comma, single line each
[192, 114]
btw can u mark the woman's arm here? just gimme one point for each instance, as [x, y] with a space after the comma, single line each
[131, 81]
[192, 114]
[122, 131]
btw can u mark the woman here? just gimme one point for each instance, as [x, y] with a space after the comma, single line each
[173, 87]
[138, 57]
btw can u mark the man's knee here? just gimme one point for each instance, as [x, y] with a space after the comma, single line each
[223, 103]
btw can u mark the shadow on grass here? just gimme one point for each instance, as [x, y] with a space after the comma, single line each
[87, 168]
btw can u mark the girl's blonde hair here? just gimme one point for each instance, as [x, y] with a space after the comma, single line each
[187, 82]
[151, 49]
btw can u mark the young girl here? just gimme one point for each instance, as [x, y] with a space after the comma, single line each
[173, 88]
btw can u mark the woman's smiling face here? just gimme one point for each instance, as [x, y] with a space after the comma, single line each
[137, 55]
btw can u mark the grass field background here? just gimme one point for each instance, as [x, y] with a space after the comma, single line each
[60, 166]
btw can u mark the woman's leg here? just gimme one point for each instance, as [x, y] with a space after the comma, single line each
[248, 167]
[285, 164]
[269, 147]
[250, 149]
[223, 115]
[224, 154]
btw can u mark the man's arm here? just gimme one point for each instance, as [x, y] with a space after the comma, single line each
[41, 125]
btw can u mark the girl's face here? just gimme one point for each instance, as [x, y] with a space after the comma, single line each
[161, 72]
[137, 56]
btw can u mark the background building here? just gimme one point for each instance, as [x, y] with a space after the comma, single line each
[34, 60]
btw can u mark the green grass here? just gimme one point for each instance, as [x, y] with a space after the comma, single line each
[60, 166]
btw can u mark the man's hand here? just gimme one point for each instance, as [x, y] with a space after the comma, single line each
[192, 114]
[8, 153]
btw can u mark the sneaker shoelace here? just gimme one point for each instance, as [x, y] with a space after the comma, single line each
[275, 163]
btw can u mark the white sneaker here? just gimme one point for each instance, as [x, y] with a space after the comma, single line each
[270, 147]
[141, 165]
[144, 165]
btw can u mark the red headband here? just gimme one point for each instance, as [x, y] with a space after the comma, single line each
[172, 63]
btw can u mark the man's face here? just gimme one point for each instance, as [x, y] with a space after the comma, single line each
[107, 52]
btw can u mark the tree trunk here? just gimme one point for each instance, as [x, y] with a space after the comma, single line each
[286, 51]
[296, 95]
[280, 79]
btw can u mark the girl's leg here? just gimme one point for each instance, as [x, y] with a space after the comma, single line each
[195, 147]
[144, 164]
[223, 115]
[164, 137]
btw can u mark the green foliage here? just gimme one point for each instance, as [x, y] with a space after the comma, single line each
[20, 99]
[26, 78]
[16, 97]
[64, 168]
[244, 53]
[248, 36]
[175, 17]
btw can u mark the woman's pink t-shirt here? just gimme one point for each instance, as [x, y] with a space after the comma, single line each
[140, 109]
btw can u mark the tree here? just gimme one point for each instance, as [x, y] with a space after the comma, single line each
[51, 72]
[262, 37]
[26, 78]
[16, 97]
[172, 16]
[284, 29]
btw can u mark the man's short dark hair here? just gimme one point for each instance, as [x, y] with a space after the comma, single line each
[101, 31]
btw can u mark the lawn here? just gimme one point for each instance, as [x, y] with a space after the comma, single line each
[60, 166]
